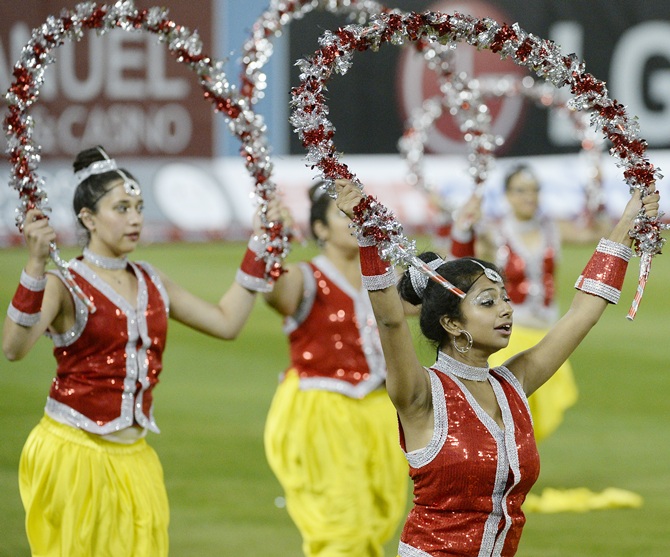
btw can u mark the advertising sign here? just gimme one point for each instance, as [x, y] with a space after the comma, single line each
[121, 90]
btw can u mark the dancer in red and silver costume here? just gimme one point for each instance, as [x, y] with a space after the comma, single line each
[466, 427]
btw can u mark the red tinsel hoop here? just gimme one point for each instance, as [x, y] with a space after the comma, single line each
[461, 98]
[257, 50]
[543, 57]
[184, 45]
[256, 53]
[466, 100]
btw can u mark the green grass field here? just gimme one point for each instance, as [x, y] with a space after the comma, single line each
[213, 398]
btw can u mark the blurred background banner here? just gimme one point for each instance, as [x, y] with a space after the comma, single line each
[120, 89]
[123, 90]
[622, 42]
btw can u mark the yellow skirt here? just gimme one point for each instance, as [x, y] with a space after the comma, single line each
[85, 496]
[551, 400]
[339, 461]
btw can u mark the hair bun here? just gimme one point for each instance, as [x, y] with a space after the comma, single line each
[87, 157]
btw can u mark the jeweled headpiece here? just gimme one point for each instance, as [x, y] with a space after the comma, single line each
[492, 275]
[108, 165]
[419, 280]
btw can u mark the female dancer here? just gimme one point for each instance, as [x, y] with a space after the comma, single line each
[331, 433]
[526, 245]
[89, 481]
[465, 427]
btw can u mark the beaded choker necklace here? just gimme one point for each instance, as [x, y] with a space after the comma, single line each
[446, 363]
[109, 263]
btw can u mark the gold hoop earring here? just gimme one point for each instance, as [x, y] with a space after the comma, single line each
[463, 349]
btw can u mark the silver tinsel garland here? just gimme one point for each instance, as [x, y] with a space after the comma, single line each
[184, 45]
[544, 58]
[256, 53]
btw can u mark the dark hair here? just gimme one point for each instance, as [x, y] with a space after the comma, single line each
[518, 169]
[90, 190]
[320, 201]
[436, 301]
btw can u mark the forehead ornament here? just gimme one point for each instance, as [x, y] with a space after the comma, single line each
[492, 275]
[108, 165]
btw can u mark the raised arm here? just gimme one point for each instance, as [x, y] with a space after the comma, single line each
[227, 318]
[39, 300]
[407, 383]
[599, 285]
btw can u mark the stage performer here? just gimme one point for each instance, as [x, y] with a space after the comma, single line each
[331, 436]
[526, 244]
[465, 427]
[89, 481]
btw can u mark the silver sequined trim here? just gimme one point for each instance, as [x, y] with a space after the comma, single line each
[597, 288]
[250, 282]
[405, 550]
[421, 457]
[32, 283]
[379, 282]
[80, 318]
[610, 247]
[22, 318]
[447, 364]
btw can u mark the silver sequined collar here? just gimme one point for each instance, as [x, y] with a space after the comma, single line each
[109, 263]
[447, 364]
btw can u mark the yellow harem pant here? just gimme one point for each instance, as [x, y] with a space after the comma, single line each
[86, 497]
[551, 400]
[339, 461]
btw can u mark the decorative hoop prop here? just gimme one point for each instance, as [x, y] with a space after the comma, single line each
[310, 113]
[257, 50]
[460, 97]
[184, 45]
[466, 101]
[544, 94]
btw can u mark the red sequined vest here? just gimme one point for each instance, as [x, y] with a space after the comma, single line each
[334, 341]
[109, 362]
[472, 478]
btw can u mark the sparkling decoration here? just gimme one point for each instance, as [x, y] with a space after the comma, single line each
[544, 58]
[256, 53]
[460, 96]
[184, 45]
[466, 99]
[257, 50]
[545, 95]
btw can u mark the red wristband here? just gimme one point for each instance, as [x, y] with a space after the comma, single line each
[26, 304]
[377, 274]
[605, 272]
[462, 243]
[251, 273]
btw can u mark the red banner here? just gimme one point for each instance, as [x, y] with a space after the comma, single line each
[121, 89]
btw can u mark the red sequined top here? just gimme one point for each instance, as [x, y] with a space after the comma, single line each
[109, 362]
[472, 478]
[334, 341]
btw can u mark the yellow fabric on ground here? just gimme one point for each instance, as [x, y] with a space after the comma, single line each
[580, 499]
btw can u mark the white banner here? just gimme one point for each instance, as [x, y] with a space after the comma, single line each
[204, 199]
